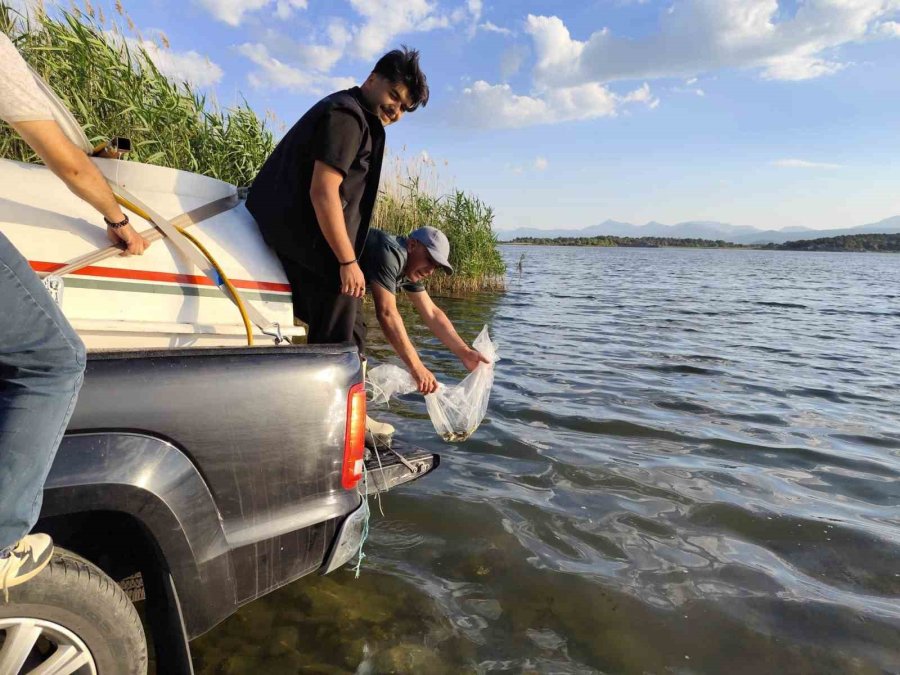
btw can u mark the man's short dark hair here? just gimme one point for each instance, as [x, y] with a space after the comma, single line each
[401, 66]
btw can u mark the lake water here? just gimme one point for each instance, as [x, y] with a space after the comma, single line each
[690, 464]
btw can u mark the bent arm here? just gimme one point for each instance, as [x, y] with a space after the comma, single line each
[439, 324]
[72, 166]
[325, 193]
[393, 327]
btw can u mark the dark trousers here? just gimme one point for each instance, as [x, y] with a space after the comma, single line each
[41, 369]
[331, 317]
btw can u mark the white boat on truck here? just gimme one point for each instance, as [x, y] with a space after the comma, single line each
[160, 299]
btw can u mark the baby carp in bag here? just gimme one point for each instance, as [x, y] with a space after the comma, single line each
[457, 410]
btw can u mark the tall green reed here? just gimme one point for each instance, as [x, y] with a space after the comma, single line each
[413, 196]
[113, 88]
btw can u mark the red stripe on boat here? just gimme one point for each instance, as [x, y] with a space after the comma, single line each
[147, 275]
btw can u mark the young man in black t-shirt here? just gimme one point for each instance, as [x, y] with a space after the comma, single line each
[314, 197]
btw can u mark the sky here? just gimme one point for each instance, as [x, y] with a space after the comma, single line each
[563, 113]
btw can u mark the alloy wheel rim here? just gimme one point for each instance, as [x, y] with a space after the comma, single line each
[39, 647]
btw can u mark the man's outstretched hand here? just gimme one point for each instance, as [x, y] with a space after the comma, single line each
[425, 380]
[472, 358]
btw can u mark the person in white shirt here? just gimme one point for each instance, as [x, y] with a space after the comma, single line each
[41, 357]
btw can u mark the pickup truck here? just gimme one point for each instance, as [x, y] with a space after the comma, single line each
[200, 479]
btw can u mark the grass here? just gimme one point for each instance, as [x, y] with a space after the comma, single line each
[114, 89]
[413, 197]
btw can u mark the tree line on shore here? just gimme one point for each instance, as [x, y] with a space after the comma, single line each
[885, 243]
[850, 242]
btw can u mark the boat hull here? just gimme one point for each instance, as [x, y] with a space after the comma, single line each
[158, 299]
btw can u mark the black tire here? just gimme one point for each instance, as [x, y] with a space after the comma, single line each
[79, 596]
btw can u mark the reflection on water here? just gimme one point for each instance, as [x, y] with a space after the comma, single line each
[690, 464]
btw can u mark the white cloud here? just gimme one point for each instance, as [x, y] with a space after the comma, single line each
[497, 106]
[697, 36]
[889, 29]
[285, 8]
[184, 66]
[555, 49]
[323, 57]
[799, 67]
[189, 66]
[337, 84]
[319, 57]
[696, 91]
[386, 19]
[232, 11]
[489, 27]
[475, 9]
[541, 163]
[381, 21]
[570, 76]
[803, 164]
[321, 50]
[274, 74]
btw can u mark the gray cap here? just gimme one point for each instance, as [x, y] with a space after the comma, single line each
[436, 243]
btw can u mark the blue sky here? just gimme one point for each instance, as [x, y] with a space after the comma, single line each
[564, 114]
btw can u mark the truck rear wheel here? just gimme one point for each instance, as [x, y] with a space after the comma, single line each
[71, 619]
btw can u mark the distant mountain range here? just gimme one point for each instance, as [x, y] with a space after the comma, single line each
[700, 229]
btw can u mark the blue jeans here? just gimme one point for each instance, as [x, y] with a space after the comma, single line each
[41, 370]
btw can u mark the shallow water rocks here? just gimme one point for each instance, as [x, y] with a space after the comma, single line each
[489, 609]
[409, 658]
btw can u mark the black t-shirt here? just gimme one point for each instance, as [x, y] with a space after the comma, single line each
[383, 260]
[339, 131]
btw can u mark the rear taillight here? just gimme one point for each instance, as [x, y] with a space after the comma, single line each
[354, 437]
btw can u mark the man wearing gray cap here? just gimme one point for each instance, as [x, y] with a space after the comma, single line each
[391, 264]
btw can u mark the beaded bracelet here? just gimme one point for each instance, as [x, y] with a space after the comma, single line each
[116, 226]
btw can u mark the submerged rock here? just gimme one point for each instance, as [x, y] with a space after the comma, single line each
[409, 658]
[546, 639]
[489, 609]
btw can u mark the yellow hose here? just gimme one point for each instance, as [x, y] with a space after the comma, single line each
[209, 256]
[248, 327]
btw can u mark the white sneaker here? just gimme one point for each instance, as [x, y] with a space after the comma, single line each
[25, 561]
[378, 434]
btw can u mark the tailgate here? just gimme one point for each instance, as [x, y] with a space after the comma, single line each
[388, 467]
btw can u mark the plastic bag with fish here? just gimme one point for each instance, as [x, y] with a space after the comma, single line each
[457, 410]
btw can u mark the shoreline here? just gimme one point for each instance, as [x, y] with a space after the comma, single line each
[868, 243]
